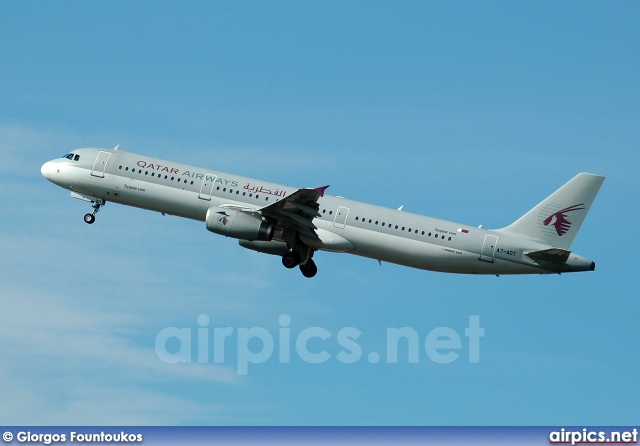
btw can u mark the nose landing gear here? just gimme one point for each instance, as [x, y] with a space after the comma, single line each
[90, 218]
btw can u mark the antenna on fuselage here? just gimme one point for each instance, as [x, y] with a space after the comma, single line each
[116, 147]
[400, 208]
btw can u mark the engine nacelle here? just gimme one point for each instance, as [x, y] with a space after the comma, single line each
[237, 224]
[274, 247]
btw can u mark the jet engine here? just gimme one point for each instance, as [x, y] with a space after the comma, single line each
[237, 224]
[274, 247]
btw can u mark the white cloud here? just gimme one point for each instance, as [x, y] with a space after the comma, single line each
[64, 364]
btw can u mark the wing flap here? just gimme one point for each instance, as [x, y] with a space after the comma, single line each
[306, 209]
[297, 210]
[297, 218]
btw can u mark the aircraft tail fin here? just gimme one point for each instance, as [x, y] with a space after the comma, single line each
[557, 219]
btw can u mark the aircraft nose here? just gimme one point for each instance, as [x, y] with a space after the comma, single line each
[46, 169]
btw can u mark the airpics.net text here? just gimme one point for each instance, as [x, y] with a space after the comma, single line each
[257, 345]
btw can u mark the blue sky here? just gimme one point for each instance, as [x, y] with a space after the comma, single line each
[472, 112]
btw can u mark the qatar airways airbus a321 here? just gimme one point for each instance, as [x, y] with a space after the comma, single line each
[295, 223]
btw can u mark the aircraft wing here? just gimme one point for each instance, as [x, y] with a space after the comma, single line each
[296, 210]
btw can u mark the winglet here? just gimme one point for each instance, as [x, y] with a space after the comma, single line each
[321, 190]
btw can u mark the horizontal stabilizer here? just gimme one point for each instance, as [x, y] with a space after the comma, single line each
[557, 255]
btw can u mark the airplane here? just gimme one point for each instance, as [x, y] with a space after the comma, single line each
[294, 223]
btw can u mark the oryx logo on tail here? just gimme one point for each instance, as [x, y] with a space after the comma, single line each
[559, 219]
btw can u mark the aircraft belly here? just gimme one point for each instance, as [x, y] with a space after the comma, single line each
[164, 199]
[145, 195]
[428, 256]
[327, 241]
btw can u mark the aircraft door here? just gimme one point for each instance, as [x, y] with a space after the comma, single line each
[488, 248]
[206, 189]
[341, 217]
[100, 164]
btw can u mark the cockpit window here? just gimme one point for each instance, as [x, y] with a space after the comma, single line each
[72, 157]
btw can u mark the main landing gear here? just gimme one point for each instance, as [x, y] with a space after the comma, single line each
[90, 218]
[291, 259]
[309, 269]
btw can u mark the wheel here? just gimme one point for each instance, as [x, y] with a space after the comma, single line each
[309, 269]
[89, 218]
[291, 259]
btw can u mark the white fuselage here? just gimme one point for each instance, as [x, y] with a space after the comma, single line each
[344, 225]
